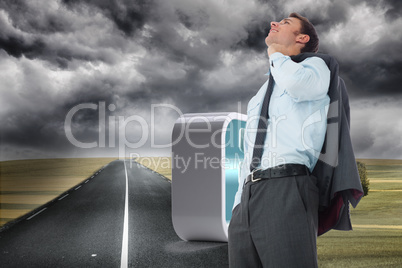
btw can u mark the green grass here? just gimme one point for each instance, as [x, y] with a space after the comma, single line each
[360, 248]
[380, 246]
[384, 208]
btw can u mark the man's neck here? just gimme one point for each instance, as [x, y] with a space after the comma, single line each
[287, 51]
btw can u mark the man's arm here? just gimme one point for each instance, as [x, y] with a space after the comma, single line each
[307, 80]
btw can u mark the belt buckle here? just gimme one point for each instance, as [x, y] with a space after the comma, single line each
[252, 176]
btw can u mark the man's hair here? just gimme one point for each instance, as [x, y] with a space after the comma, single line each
[307, 28]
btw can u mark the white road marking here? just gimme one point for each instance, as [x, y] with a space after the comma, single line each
[36, 213]
[86, 181]
[93, 255]
[78, 187]
[62, 197]
[124, 248]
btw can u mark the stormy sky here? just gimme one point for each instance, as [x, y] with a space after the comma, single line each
[110, 73]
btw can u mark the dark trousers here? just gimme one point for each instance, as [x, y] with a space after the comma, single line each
[275, 224]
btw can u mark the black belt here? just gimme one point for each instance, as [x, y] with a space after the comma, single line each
[277, 172]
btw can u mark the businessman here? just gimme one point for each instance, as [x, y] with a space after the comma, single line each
[275, 216]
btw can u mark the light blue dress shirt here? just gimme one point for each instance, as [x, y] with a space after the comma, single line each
[297, 115]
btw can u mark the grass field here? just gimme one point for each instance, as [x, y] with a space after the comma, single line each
[375, 242]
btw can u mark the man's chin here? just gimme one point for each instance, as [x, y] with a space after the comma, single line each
[267, 41]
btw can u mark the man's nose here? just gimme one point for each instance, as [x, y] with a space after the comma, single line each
[274, 23]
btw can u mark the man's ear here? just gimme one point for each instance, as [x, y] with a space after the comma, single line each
[303, 38]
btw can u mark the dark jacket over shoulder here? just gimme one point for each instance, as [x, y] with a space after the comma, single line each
[336, 169]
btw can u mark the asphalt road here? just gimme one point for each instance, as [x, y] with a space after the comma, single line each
[95, 225]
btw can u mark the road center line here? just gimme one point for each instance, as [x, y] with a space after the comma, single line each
[124, 248]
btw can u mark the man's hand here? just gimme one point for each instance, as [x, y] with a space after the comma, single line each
[274, 47]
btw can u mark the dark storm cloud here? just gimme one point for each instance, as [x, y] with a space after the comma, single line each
[23, 20]
[17, 47]
[129, 16]
[377, 72]
[47, 33]
[36, 115]
[29, 19]
[395, 9]
[374, 78]
[198, 56]
[332, 14]
[256, 33]
[37, 48]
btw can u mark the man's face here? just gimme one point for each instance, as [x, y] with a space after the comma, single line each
[284, 32]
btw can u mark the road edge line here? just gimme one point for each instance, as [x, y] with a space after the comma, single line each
[124, 247]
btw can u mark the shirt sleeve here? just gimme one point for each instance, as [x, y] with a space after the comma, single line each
[304, 81]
